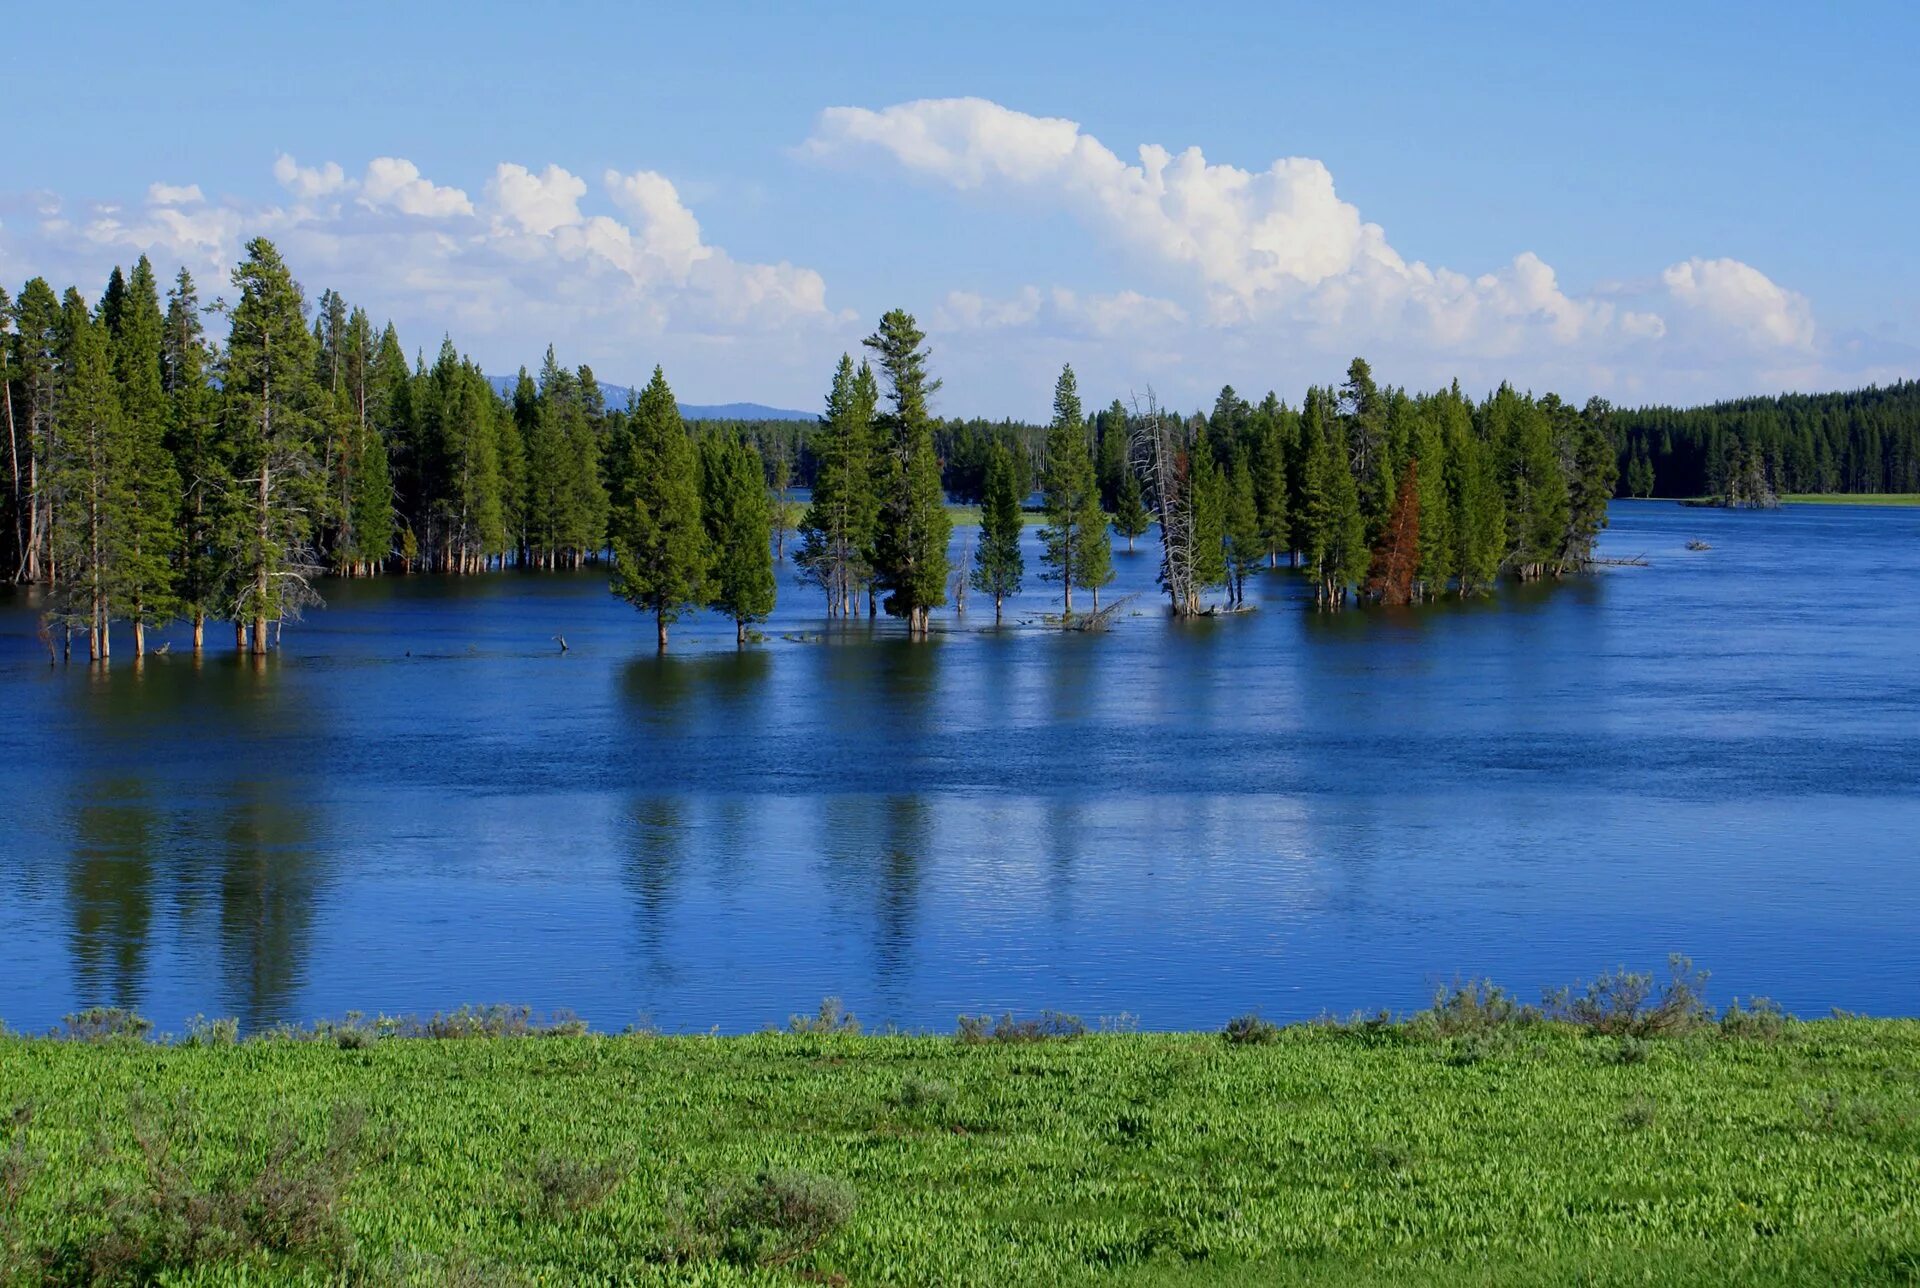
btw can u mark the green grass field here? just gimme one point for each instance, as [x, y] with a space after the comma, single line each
[1852, 498]
[971, 514]
[1525, 1154]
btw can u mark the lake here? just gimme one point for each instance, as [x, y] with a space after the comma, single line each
[422, 801]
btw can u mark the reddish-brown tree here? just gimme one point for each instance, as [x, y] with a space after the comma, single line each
[1396, 555]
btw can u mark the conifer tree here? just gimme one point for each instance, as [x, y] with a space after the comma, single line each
[1131, 518]
[1593, 470]
[149, 536]
[1114, 450]
[89, 478]
[1336, 545]
[912, 529]
[661, 553]
[1246, 547]
[998, 564]
[1209, 493]
[549, 462]
[519, 466]
[586, 501]
[1268, 468]
[837, 527]
[1479, 509]
[1365, 432]
[1075, 531]
[1521, 431]
[202, 459]
[270, 404]
[377, 523]
[735, 506]
[1437, 545]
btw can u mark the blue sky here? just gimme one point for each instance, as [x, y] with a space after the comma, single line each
[1649, 202]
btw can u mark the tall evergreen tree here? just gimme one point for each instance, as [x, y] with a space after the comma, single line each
[1479, 509]
[1593, 471]
[1209, 502]
[1131, 518]
[1074, 537]
[735, 504]
[1246, 546]
[837, 526]
[144, 581]
[1336, 544]
[270, 404]
[910, 541]
[1268, 468]
[202, 459]
[1521, 431]
[1436, 563]
[661, 554]
[89, 478]
[998, 565]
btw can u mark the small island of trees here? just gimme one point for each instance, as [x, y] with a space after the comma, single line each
[158, 474]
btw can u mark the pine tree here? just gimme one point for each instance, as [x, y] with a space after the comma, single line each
[1131, 518]
[1075, 528]
[1366, 434]
[998, 564]
[1113, 454]
[549, 462]
[202, 460]
[1246, 548]
[1209, 493]
[270, 411]
[586, 498]
[517, 468]
[911, 534]
[837, 526]
[1521, 431]
[1479, 510]
[661, 555]
[89, 478]
[1336, 544]
[1436, 510]
[388, 398]
[1593, 471]
[1269, 476]
[735, 506]
[149, 537]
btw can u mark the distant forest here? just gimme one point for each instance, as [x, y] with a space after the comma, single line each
[159, 471]
[1867, 440]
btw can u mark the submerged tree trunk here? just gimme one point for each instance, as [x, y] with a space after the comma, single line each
[660, 623]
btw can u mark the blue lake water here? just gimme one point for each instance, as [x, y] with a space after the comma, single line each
[421, 802]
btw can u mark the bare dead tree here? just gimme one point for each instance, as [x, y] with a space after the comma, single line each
[1157, 450]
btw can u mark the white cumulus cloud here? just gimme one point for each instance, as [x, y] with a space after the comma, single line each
[395, 182]
[1275, 259]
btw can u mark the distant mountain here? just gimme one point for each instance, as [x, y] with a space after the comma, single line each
[741, 411]
[617, 395]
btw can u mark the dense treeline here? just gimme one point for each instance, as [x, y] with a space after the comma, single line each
[1867, 440]
[158, 473]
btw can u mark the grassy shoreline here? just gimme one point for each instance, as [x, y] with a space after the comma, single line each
[1851, 498]
[1487, 1147]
